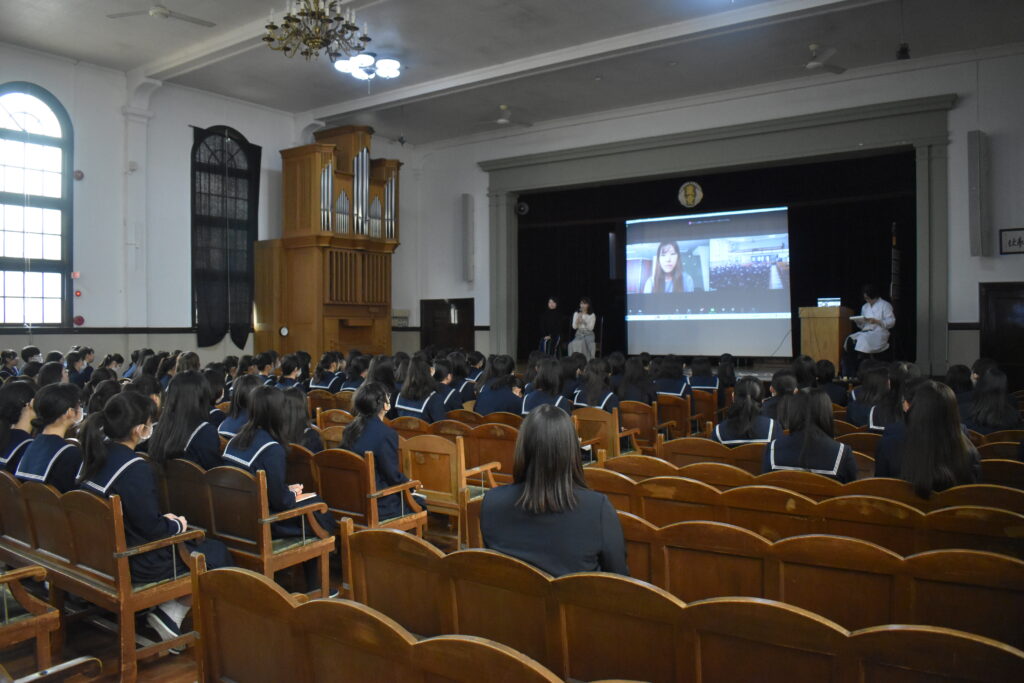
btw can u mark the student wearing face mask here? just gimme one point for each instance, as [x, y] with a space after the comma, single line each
[16, 417]
[50, 459]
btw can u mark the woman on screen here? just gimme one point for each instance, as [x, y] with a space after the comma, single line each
[668, 275]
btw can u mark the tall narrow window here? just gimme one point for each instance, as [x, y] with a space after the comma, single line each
[225, 199]
[36, 144]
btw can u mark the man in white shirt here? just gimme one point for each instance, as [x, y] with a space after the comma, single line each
[876, 319]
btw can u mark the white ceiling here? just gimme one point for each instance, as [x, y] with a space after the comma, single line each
[546, 59]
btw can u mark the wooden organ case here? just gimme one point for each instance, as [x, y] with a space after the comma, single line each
[328, 279]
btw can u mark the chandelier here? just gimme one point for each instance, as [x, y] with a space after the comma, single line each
[310, 26]
[366, 65]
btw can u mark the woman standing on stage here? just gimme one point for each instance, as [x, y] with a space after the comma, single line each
[583, 321]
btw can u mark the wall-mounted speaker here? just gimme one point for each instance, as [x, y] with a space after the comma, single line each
[979, 219]
[468, 246]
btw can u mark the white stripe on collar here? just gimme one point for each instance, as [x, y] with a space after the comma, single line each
[835, 469]
[110, 482]
[421, 409]
[250, 461]
[194, 433]
[23, 444]
[49, 466]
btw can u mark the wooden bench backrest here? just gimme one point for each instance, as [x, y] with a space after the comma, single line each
[187, 493]
[97, 526]
[14, 517]
[448, 658]
[343, 400]
[814, 486]
[503, 418]
[620, 489]
[689, 450]
[982, 495]
[748, 457]
[1003, 472]
[975, 528]
[49, 522]
[408, 427]
[332, 436]
[675, 409]
[1014, 435]
[664, 500]
[300, 468]
[862, 442]
[842, 427]
[492, 442]
[643, 418]
[769, 511]
[436, 462]
[711, 559]
[594, 423]
[638, 467]
[346, 482]
[332, 418]
[888, 523]
[1001, 450]
[449, 429]
[465, 416]
[706, 404]
[319, 400]
[719, 475]
[238, 501]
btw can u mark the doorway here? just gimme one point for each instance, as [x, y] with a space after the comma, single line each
[447, 323]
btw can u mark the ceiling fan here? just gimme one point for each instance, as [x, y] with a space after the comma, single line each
[162, 12]
[504, 118]
[819, 62]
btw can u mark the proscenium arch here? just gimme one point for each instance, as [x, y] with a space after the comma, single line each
[919, 123]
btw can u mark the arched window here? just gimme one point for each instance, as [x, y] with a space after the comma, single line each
[36, 146]
[225, 201]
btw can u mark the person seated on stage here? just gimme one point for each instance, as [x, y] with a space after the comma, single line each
[889, 452]
[809, 446]
[239, 413]
[873, 337]
[548, 517]
[16, 415]
[783, 384]
[291, 369]
[547, 385]
[825, 375]
[445, 386]
[888, 408]
[936, 454]
[326, 376]
[874, 385]
[744, 422]
[993, 409]
[460, 376]
[50, 459]
[803, 369]
[356, 371]
[419, 397]
[635, 384]
[185, 430]
[670, 378]
[498, 390]
[616, 366]
[595, 390]
[701, 376]
[552, 325]
[297, 426]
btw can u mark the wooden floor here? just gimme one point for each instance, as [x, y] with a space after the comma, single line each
[85, 639]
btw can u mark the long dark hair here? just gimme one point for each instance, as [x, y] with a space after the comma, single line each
[746, 405]
[323, 374]
[296, 415]
[671, 367]
[367, 404]
[499, 372]
[803, 368]
[936, 454]
[98, 375]
[101, 393]
[660, 276]
[634, 376]
[958, 378]
[266, 412]
[809, 413]
[240, 392]
[382, 369]
[119, 417]
[874, 386]
[890, 407]
[595, 381]
[548, 378]
[616, 362]
[726, 370]
[186, 407]
[547, 462]
[357, 365]
[460, 369]
[992, 406]
[14, 396]
[52, 402]
[419, 382]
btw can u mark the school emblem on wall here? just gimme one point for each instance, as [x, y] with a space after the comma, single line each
[690, 194]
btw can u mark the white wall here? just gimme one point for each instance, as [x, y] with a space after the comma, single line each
[991, 93]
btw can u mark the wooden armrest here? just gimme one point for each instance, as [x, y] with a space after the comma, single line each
[662, 425]
[294, 512]
[300, 598]
[590, 442]
[162, 543]
[34, 572]
[486, 467]
[628, 432]
[80, 666]
[398, 488]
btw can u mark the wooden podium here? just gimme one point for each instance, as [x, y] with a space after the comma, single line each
[822, 331]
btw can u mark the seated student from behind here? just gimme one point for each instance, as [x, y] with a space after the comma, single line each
[265, 369]
[498, 390]
[215, 378]
[184, 430]
[874, 385]
[355, 373]
[475, 359]
[670, 379]
[298, 429]
[445, 386]
[49, 459]
[571, 367]
[810, 445]
[783, 384]
[110, 467]
[888, 409]
[635, 384]
[239, 412]
[889, 452]
[291, 368]
[460, 379]
[367, 433]
[701, 376]
[803, 369]
[825, 374]
[992, 408]
[546, 388]
[936, 454]
[326, 376]
[547, 516]
[745, 423]
[16, 417]
[958, 378]
[419, 397]
[595, 390]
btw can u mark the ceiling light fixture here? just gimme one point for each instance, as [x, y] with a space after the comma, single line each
[311, 26]
[365, 66]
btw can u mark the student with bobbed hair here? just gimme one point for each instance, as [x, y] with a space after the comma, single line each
[419, 397]
[16, 415]
[215, 379]
[635, 384]
[326, 376]
[184, 430]
[100, 394]
[31, 353]
[291, 369]
[825, 375]
[809, 446]
[936, 454]
[992, 409]
[239, 413]
[356, 371]
[547, 385]
[783, 384]
[100, 375]
[8, 364]
[445, 385]
[595, 390]
[54, 357]
[548, 517]
[49, 459]
[744, 422]
[873, 388]
[73, 362]
[297, 428]
[803, 368]
[616, 367]
[670, 379]
[264, 363]
[367, 433]
[571, 368]
[110, 467]
[701, 376]
[150, 366]
[498, 390]
[460, 376]
[476, 360]
[52, 372]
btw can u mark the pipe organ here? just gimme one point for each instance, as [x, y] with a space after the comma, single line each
[327, 281]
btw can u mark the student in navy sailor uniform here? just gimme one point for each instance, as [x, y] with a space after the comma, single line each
[88, 356]
[958, 378]
[215, 378]
[888, 409]
[744, 422]
[635, 384]
[356, 373]
[547, 516]
[571, 367]
[992, 408]
[239, 413]
[466, 387]
[74, 365]
[418, 397]
[546, 391]
[445, 387]
[825, 374]
[291, 368]
[594, 391]
[783, 384]
[16, 417]
[700, 375]
[49, 459]
[368, 433]
[8, 364]
[889, 452]
[498, 391]
[326, 376]
[262, 445]
[810, 445]
[475, 359]
[616, 366]
[110, 467]
[297, 428]
[184, 430]
[670, 378]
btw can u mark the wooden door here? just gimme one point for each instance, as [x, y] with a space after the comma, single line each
[447, 323]
[1002, 327]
